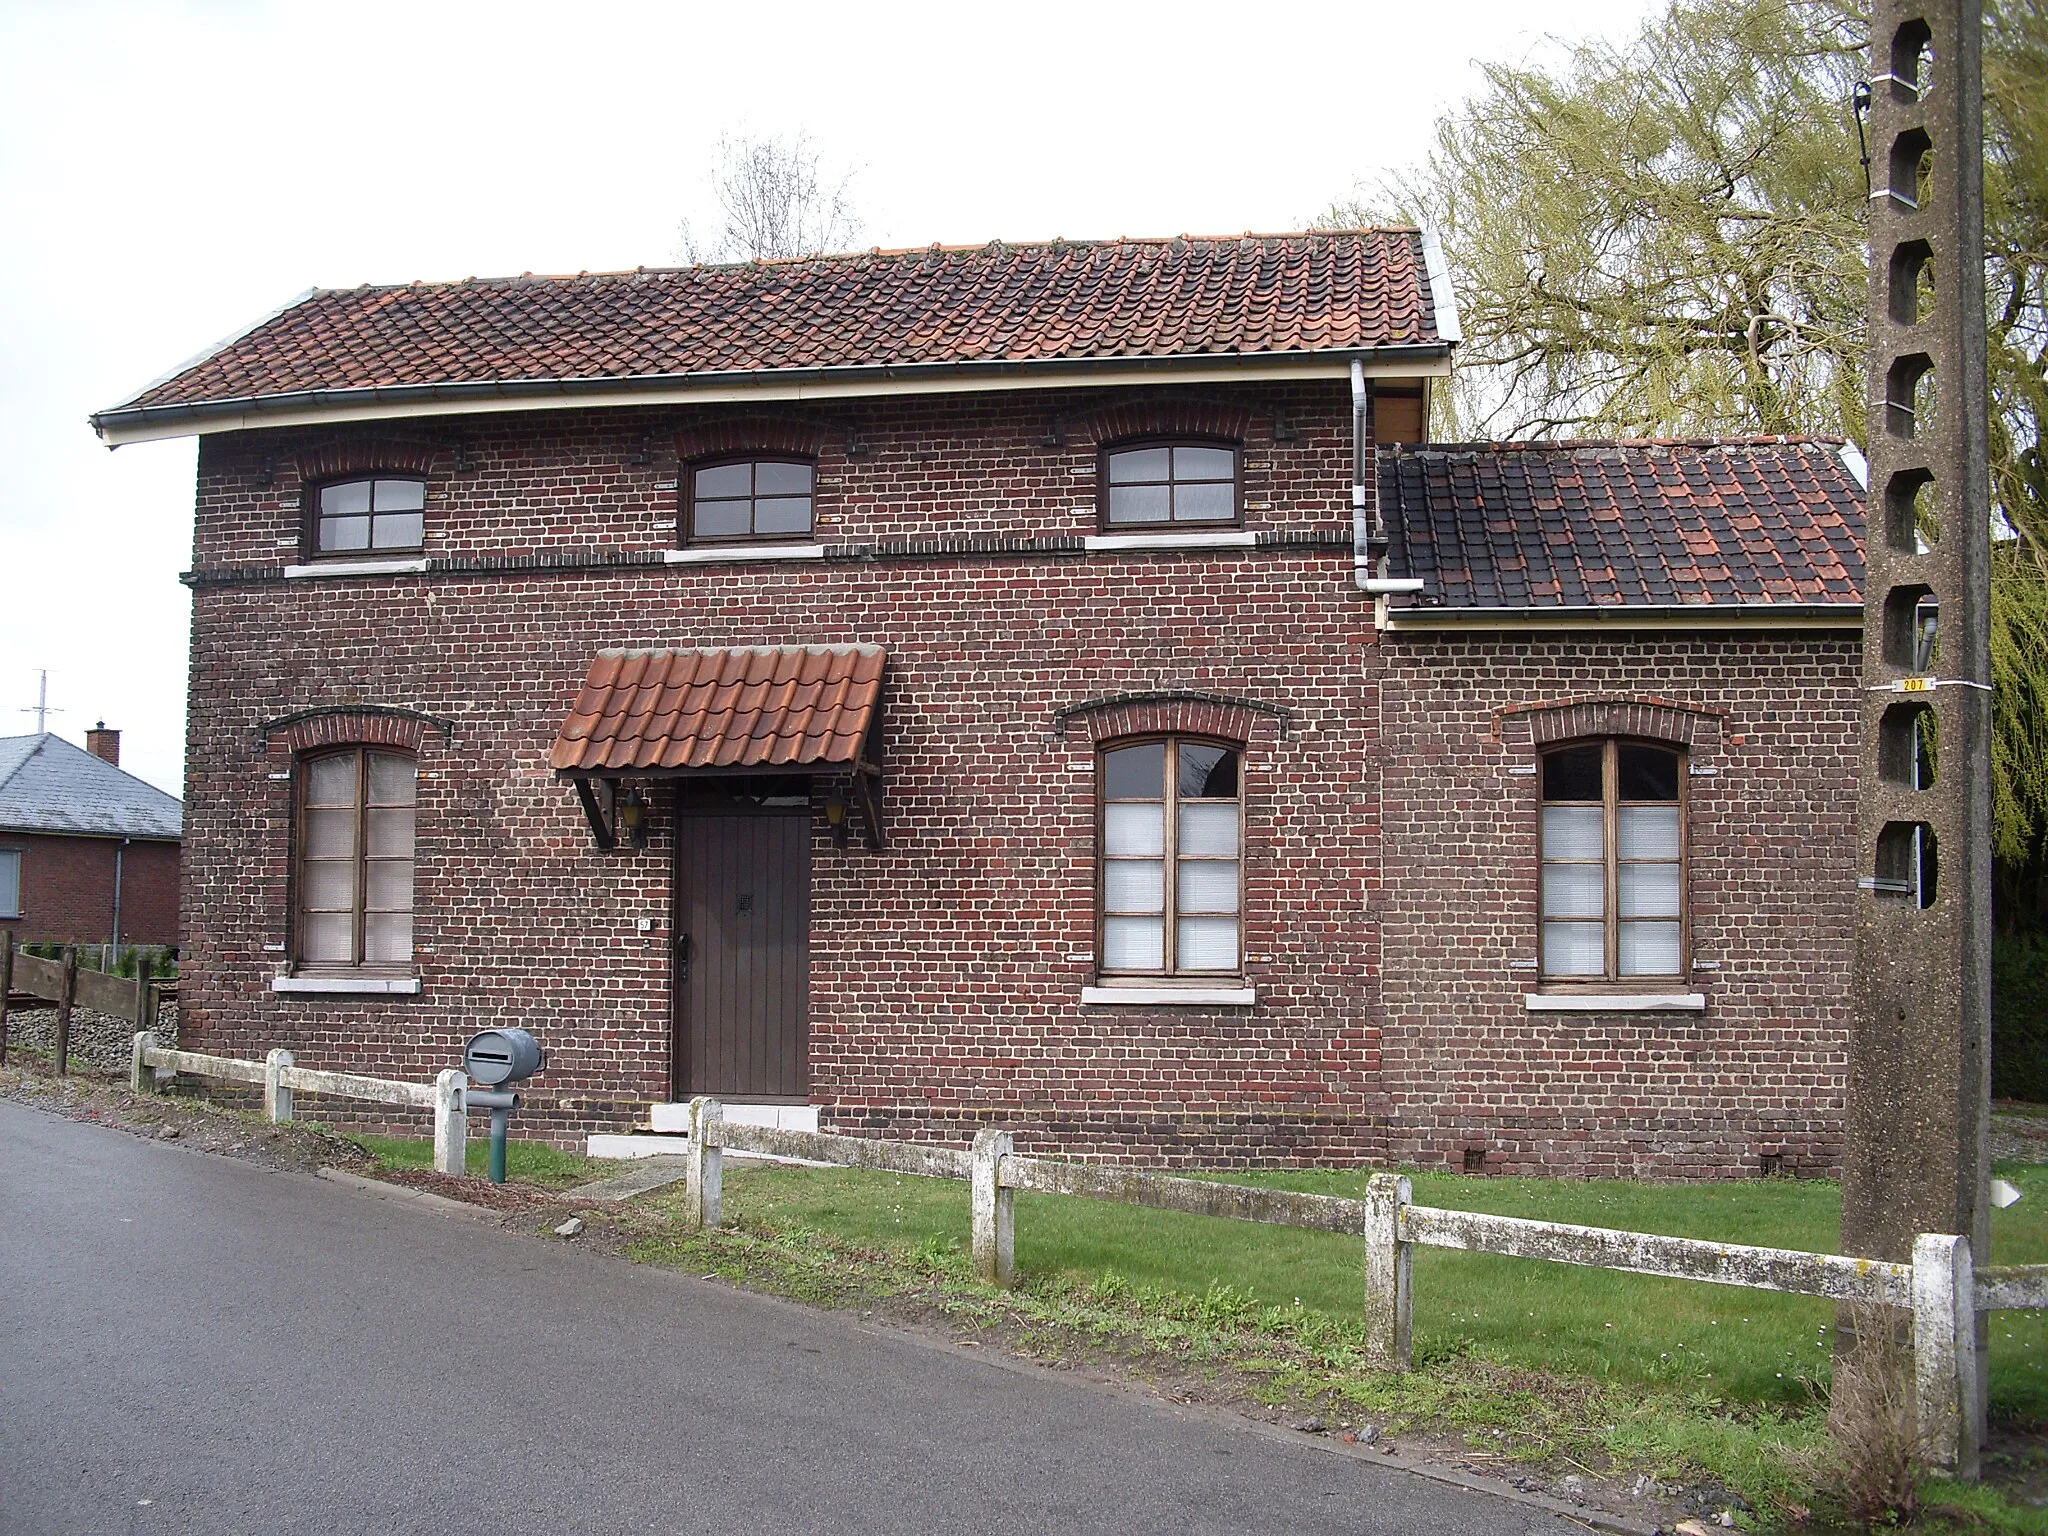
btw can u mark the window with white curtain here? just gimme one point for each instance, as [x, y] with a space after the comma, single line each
[1172, 872]
[1613, 858]
[10, 882]
[356, 822]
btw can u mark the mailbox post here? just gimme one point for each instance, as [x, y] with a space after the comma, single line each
[495, 1058]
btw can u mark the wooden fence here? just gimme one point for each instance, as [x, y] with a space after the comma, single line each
[1937, 1289]
[68, 985]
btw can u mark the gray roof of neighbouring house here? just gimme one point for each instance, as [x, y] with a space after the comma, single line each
[48, 785]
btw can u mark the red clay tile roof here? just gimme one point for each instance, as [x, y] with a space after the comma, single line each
[1584, 524]
[777, 706]
[1339, 290]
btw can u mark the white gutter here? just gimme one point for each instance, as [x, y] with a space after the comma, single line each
[139, 424]
[1841, 616]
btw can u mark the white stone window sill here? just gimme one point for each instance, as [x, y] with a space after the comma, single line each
[1616, 1002]
[1172, 997]
[356, 568]
[708, 554]
[1236, 539]
[373, 986]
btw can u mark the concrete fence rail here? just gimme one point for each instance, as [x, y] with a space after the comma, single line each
[1937, 1290]
[150, 1063]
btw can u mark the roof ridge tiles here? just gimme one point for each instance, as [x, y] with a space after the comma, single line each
[831, 258]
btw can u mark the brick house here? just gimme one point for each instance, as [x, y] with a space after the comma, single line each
[1047, 685]
[88, 853]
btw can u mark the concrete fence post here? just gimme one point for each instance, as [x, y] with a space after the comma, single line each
[277, 1098]
[704, 1198]
[451, 1121]
[1389, 1275]
[995, 1223]
[1945, 1363]
[141, 1075]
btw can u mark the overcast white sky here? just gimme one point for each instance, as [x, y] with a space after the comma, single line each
[170, 172]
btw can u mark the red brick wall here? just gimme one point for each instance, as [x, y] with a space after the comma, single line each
[945, 983]
[67, 890]
[1769, 724]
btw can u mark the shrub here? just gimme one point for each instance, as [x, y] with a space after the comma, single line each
[2019, 1018]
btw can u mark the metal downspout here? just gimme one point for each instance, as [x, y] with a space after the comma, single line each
[1361, 523]
[115, 960]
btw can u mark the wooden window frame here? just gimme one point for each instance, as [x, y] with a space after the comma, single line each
[686, 515]
[1200, 525]
[1613, 982]
[1170, 904]
[309, 531]
[362, 753]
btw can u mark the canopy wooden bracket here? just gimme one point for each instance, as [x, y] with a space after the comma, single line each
[867, 790]
[600, 799]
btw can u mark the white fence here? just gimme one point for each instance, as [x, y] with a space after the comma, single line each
[278, 1078]
[1937, 1288]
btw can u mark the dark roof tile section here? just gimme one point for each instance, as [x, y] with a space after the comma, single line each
[784, 706]
[48, 785]
[1337, 290]
[1585, 524]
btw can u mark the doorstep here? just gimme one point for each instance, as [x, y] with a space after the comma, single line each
[669, 1132]
[675, 1118]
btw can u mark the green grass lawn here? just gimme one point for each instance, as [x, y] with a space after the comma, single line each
[530, 1162]
[1712, 1341]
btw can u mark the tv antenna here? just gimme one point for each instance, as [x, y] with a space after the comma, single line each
[41, 709]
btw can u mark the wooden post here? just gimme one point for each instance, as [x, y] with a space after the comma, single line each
[1389, 1276]
[67, 989]
[995, 1224]
[1945, 1361]
[277, 1097]
[6, 985]
[704, 1199]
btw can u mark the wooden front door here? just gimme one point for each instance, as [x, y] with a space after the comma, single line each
[742, 955]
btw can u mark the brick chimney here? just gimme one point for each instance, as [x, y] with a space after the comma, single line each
[103, 743]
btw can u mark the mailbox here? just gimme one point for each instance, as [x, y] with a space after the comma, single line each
[494, 1058]
[500, 1056]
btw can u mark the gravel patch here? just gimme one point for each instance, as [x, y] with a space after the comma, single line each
[100, 1040]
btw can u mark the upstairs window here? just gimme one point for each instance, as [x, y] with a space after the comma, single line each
[356, 860]
[370, 515]
[1613, 835]
[1171, 872]
[10, 882]
[1169, 484]
[751, 499]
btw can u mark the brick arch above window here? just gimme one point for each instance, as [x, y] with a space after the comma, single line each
[353, 725]
[750, 434]
[1177, 712]
[1645, 719]
[343, 457]
[1166, 416]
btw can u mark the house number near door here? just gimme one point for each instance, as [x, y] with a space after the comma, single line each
[746, 902]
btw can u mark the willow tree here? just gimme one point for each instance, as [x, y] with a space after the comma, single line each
[1665, 237]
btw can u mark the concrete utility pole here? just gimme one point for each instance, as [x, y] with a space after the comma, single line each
[1920, 1046]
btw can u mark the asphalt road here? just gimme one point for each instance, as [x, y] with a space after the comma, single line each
[194, 1344]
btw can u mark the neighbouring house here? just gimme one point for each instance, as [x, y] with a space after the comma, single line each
[88, 852]
[1040, 685]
